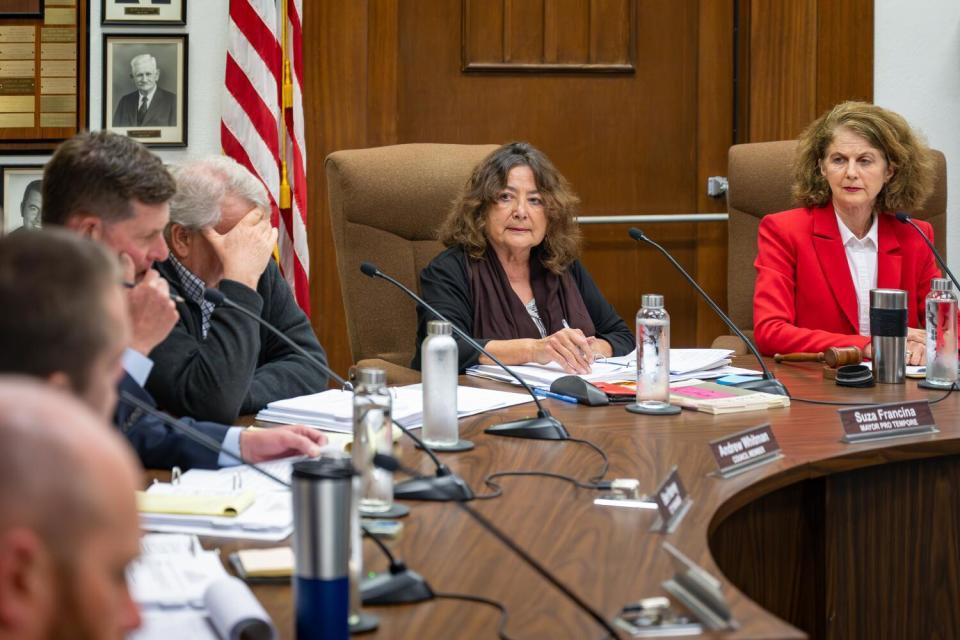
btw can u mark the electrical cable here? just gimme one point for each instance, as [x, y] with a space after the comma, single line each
[836, 403]
[504, 614]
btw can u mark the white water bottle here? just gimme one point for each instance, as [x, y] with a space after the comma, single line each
[440, 362]
[941, 314]
[653, 358]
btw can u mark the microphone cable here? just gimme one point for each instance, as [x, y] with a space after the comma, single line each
[839, 403]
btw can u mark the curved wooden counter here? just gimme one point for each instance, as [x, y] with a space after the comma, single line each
[830, 537]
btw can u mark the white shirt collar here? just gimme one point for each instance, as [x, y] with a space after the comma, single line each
[846, 236]
[149, 95]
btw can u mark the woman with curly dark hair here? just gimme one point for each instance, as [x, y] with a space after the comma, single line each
[510, 276]
[855, 166]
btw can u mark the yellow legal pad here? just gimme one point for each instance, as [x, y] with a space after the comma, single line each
[227, 505]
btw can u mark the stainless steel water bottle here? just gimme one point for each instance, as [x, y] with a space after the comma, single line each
[322, 495]
[888, 331]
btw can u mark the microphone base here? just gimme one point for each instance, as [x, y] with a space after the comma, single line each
[448, 488]
[395, 588]
[771, 385]
[363, 623]
[540, 428]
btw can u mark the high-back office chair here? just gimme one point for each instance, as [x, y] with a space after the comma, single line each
[386, 205]
[760, 180]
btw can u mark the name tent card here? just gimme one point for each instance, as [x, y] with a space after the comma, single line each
[891, 420]
[745, 450]
[672, 503]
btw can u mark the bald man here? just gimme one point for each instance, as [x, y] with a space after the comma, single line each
[68, 518]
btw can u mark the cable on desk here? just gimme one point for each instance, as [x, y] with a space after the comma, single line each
[594, 482]
[837, 403]
[487, 601]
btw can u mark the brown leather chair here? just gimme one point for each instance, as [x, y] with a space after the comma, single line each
[386, 204]
[760, 180]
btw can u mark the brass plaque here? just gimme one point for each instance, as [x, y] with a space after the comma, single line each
[17, 50]
[58, 68]
[17, 86]
[62, 3]
[56, 51]
[10, 120]
[141, 11]
[144, 133]
[57, 34]
[17, 104]
[58, 119]
[17, 68]
[59, 16]
[58, 85]
[58, 104]
[16, 34]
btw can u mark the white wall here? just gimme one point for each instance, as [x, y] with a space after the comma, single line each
[207, 27]
[917, 74]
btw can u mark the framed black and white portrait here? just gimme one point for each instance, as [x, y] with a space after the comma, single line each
[21, 9]
[145, 87]
[22, 197]
[143, 12]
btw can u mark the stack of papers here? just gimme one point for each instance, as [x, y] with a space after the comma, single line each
[684, 364]
[333, 410]
[184, 592]
[269, 517]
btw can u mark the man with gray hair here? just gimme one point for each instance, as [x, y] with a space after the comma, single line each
[149, 105]
[68, 518]
[217, 363]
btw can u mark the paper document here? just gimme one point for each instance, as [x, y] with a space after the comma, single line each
[184, 592]
[333, 409]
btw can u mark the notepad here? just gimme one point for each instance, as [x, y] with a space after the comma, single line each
[166, 498]
[263, 563]
[711, 397]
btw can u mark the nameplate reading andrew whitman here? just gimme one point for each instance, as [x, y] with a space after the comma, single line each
[887, 420]
[672, 502]
[744, 450]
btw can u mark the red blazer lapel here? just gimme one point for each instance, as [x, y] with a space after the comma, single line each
[833, 262]
[888, 254]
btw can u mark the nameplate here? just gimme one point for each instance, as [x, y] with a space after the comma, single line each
[745, 450]
[672, 503]
[891, 420]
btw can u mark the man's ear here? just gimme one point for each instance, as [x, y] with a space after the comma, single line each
[86, 224]
[180, 239]
[22, 580]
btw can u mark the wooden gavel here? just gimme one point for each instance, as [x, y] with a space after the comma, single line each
[833, 357]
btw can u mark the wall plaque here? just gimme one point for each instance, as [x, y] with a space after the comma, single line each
[44, 61]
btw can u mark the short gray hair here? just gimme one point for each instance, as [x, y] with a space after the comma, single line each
[201, 184]
[144, 57]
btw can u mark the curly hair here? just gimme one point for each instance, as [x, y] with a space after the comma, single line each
[466, 223]
[902, 148]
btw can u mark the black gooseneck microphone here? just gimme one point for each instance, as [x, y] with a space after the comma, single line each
[543, 427]
[906, 219]
[767, 384]
[400, 585]
[393, 465]
[440, 487]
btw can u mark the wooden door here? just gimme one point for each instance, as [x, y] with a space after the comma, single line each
[633, 100]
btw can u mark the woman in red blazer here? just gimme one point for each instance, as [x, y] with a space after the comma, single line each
[815, 265]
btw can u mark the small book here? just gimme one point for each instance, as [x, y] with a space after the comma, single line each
[263, 565]
[188, 501]
[711, 397]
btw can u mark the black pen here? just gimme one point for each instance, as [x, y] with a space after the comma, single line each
[173, 296]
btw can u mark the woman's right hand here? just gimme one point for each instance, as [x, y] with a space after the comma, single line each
[568, 347]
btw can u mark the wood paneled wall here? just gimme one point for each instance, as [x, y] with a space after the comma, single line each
[635, 131]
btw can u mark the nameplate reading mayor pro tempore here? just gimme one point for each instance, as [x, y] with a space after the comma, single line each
[672, 503]
[745, 450]
[890, 420]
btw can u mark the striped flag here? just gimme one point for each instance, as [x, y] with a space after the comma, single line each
[259, 133]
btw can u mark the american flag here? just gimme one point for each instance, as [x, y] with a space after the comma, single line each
[257, 130]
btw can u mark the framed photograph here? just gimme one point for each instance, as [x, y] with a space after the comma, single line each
[21, 8]
[145, 87]
[22, 202]
[143, 12]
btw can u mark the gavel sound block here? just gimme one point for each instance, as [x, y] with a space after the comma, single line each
[833, 357]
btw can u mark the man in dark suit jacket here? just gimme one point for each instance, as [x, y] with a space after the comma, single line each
[149, 105]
